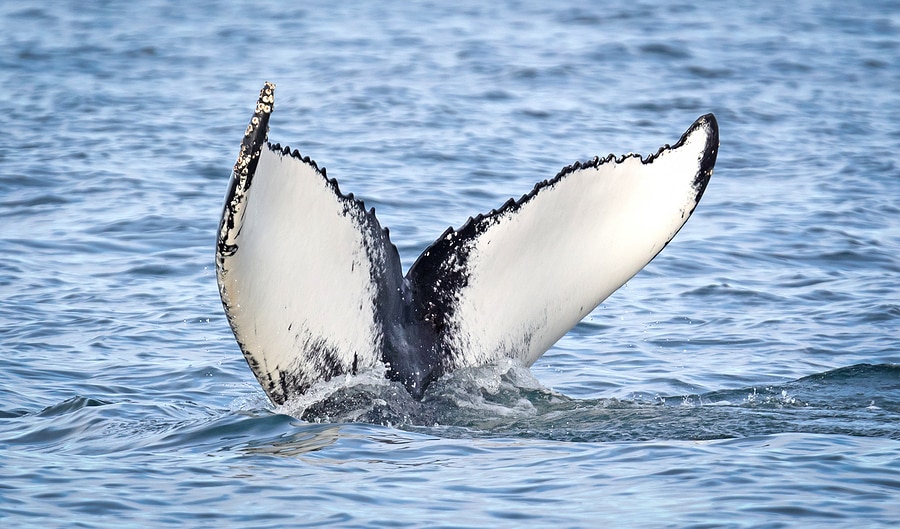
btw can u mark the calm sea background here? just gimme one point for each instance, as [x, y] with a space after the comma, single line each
[748, 377]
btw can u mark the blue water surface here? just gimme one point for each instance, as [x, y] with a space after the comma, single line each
[748, 377]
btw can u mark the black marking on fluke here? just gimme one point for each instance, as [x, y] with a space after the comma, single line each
[415, 313]
[245, 166]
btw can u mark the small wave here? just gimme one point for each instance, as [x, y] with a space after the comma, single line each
[71, 405]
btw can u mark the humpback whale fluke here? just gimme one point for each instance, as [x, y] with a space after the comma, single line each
[313, 288]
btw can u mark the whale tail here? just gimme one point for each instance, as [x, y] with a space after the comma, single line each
[313, 287]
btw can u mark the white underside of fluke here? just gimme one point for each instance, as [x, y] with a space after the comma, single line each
[537, 271]
[313, 289]
[299, 289]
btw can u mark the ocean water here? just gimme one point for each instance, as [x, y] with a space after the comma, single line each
[748, 377]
